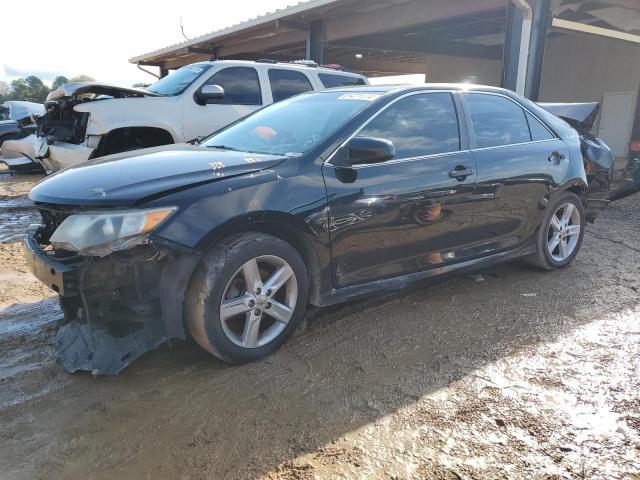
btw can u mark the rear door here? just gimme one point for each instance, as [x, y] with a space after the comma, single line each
[519, 160]
[412, 212]
[242, 95]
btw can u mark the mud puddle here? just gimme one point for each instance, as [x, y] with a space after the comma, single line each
[16, 214]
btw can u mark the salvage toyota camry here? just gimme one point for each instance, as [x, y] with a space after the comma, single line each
[314, 200]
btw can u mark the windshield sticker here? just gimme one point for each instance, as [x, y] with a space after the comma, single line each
[359, 96]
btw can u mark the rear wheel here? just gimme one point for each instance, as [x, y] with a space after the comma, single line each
[247, 298]
[561, 233]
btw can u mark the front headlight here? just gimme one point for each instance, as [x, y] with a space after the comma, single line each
[100, 233]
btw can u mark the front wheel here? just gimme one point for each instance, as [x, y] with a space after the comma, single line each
[561, 233]
[247, 297]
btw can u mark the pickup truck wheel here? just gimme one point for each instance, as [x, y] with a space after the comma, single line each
[561, 233]
[247, 297]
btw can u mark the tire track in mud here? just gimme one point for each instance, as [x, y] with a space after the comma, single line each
[28, 310]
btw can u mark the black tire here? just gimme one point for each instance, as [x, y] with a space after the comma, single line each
[210, 282]
[542, 258]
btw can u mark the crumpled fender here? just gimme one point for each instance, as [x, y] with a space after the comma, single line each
[107, 115]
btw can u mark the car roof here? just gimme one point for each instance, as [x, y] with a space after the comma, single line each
[396, 89]
[287, 65]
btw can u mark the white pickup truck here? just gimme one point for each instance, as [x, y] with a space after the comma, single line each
[88, 120]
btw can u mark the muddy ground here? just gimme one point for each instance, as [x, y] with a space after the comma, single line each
[512, 373]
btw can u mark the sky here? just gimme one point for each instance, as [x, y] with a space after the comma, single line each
[75, 37]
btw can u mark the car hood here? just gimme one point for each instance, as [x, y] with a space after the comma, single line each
[19, 110]
[129, 178]
[73, 89]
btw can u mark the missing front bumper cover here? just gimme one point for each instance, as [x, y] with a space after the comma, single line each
[115, 308]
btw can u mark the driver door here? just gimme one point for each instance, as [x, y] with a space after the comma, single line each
[242, 95]
[410, 213]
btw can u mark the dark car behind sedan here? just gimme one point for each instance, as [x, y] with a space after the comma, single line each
[318, 199]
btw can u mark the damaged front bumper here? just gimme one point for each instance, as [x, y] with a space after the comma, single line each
[115, 308]
[58, 155]
[19, 154]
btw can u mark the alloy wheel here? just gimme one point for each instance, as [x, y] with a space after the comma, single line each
[564, 232]
[258, 301]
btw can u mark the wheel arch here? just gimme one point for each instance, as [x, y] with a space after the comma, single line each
[576, 186]
[287, 228]
[156, 136]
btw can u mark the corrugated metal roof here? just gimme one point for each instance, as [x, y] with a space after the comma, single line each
[298, 8]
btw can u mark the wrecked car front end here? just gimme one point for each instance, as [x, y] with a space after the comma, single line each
[101, 247]
[119, 298]
[17, 135]
[64, 136]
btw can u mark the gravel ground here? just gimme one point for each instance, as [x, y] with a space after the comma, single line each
[509, 373]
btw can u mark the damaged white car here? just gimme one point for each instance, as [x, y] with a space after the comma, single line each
[89, 120]
[17, 127]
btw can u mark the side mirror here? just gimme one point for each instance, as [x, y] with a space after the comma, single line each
[209, 92]
[370, 150]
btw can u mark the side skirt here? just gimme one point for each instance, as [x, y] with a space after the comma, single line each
[345, 294]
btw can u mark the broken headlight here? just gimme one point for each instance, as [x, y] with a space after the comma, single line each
[100, 233]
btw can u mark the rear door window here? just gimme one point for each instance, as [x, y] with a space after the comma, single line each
[497, 120]
[538, 130]
[241, 86]
[418, 125]
[330, 80]
[287, 83]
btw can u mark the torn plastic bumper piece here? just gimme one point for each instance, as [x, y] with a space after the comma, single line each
[18, 155]
[62, 155]
[20, 163]
[116, 308]
[104, 350]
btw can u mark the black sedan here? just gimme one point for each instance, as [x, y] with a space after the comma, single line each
[317, 200]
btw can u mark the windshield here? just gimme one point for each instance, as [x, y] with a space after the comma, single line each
[175, 83]
[292, 126]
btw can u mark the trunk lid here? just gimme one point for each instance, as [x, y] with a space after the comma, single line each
[581, 116]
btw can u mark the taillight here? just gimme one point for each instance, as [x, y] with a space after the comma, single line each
[634, 146]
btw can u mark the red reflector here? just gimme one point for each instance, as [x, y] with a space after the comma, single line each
[634, 146]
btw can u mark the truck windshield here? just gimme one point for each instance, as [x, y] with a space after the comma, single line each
[175, 83]
[293, 126]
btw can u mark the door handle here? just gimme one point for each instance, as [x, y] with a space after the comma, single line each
[460, 172]
[556, 158]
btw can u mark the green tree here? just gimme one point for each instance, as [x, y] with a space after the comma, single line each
[4, 91]
[18, 89]
[58, 81]
[82, 78]
[30, 88]
[36, 90]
